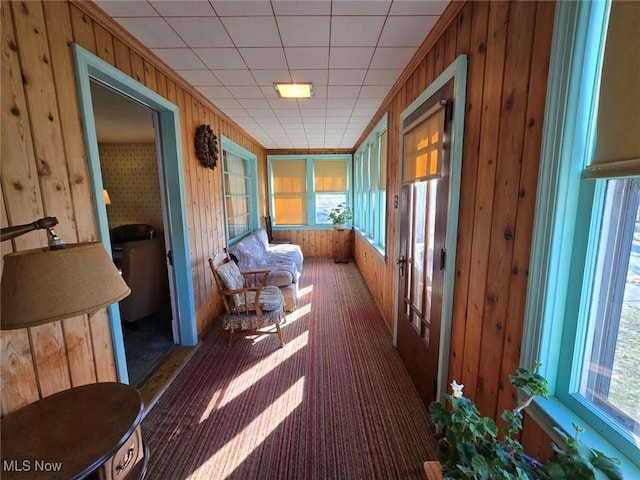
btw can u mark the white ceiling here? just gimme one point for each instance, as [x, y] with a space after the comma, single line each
[233, 50]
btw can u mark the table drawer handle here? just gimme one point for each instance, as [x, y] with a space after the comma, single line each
[126, 460]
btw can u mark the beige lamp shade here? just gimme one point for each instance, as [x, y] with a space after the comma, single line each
[43, 285]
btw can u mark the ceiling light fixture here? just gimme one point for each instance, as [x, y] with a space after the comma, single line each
[294, 90]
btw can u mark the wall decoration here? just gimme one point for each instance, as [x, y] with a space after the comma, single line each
[206, 146]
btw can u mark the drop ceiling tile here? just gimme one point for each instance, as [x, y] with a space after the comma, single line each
[234, 8]
[223, 103]
[343, 91]
[392, 57]
[406, 31]
[153, 32]
[199, 78]
[261, 113]
[347, 77]
[312, 103]
[350, 57]
[179, 58]
[221, 58]
[340, 103]
[235, 77]
[264, 58]
[411, 7]
[116, 8]
[239, 114]
[374, 91]
[304, 31]
[360, 7]
[246, 92]
[266, 78]
[313, 113]
[339, 111]
[319, 91]
[297, 7]
[252, 31]
[201, 31]
[181, 8]
[382, 77]
[303, 58]
[368, 102]
[317, 77]
[251, 103]
[215, 92]
[287, 113]
[352, 31]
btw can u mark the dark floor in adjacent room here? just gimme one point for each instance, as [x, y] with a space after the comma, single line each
[146, 343]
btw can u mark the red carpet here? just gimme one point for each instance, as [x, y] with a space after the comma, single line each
[334, 403]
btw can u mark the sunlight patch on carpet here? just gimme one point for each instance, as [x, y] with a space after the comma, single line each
[250, 377]
[230, 457]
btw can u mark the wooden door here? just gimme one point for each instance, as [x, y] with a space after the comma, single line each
[423, 221]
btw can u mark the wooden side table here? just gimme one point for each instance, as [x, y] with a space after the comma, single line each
[91, 432]
[342, 245]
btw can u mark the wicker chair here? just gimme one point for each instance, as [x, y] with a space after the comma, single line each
[251, 305]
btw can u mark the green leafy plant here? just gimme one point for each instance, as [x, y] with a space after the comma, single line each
[340, 214]
[470, 446]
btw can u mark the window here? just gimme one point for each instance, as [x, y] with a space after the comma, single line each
[240, 192]
[610, 357]
[305, 188]
[370, 186]
[583, 309]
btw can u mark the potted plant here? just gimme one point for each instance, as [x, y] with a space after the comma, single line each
[470, 446]
[340, 215]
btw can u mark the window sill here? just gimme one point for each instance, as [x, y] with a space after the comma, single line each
[552, 413]
[376, 248]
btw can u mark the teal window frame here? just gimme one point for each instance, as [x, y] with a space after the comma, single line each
[227, 145]
[371, 200]
[565, 221]
[310, 194]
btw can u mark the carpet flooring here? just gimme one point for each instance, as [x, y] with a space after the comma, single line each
[334, 403]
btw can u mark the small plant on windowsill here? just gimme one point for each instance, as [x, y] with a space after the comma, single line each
[471, 448]
[340, 215]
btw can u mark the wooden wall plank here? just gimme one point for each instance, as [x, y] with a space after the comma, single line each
[104, 44]
[38, 78]
[470, 155]
[82, 27]
[122, 56]
[508, 164]
[491, 109]
[527, 195]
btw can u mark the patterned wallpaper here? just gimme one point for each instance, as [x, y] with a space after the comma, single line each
[130, 175]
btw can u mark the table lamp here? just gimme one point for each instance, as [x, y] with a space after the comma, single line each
[43, 285]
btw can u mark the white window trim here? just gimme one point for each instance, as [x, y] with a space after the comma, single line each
[575, 68]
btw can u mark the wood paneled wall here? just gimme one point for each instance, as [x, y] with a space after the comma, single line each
[508, 47]
[44, 172]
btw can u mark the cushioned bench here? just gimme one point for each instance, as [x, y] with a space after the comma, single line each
[284, 262]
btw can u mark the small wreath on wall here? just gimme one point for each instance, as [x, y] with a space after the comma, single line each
[206, 146]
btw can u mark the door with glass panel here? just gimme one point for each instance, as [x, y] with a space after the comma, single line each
[423, 221]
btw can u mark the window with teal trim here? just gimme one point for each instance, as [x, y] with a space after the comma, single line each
[370, 186]
[304, 189]
[240, 193]
[583, 310]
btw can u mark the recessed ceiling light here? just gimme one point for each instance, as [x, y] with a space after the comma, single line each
[294, 90]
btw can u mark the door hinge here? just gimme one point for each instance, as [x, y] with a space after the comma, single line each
[443, 258]
[435, 387]
[448, 110]
[170, 257]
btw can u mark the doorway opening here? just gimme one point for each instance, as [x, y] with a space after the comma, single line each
[129, 163]
[172, 240]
